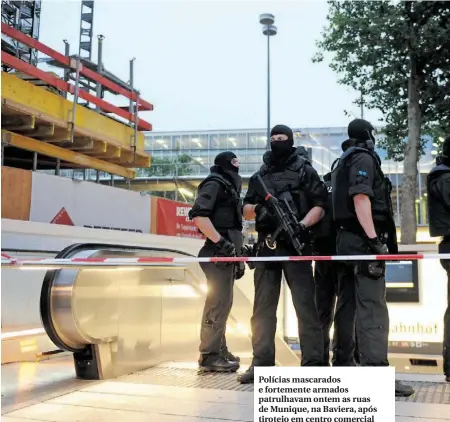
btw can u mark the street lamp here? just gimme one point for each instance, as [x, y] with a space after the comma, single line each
[269, 29]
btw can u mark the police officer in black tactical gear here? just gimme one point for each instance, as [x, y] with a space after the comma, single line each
[438, 187]
[363, 212]
[286, 175]
[326, 276]
[325, 272]
[217, 212]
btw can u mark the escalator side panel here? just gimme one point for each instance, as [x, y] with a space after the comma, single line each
[122, 320]
[138, 342]
[182, 307]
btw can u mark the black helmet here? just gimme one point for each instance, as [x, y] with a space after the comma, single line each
[361, 130]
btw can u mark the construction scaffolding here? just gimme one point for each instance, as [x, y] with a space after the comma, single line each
[37, 117]
[25, 17]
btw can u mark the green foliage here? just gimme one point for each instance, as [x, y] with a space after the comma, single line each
[377, 45]
[438, 134]
[397, 55]
[178, 165]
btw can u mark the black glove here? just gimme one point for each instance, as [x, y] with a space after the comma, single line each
[378, 247]
[225, 248]
[301, 230]
[249, 251]
[263, 215]
[240, 270]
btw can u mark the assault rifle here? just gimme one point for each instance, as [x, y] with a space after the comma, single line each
[287, 220]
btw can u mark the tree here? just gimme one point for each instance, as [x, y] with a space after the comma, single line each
[397, 54]
[177, 165]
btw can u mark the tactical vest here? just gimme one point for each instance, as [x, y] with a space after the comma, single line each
[343, 207]
[438, 210]
[227, 212]
[325, 228]
[288, 183]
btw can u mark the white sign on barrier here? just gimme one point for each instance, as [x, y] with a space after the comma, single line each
[324, 394]
[60, 200]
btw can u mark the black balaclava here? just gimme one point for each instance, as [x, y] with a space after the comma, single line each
[354, 142]
[363, 132]
[222, 164]
[224, 160]
[444, 158]
[282, 149]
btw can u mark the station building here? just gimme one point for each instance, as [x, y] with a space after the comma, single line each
[182, 159]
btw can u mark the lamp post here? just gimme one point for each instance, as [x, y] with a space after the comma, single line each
[269, 29]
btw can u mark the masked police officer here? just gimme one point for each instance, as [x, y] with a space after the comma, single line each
[438, 186]
[325, 272]
[363, 211]
[286, 175]
[217, 212]
[326, 275]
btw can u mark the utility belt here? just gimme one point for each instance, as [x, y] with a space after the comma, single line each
[381, 232]
[282, 238]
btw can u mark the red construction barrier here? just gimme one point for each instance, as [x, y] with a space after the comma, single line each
[70, 88]
[64, 86]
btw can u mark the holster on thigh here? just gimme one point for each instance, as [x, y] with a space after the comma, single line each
[372, 269]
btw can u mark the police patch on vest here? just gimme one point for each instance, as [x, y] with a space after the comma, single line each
[362, 173]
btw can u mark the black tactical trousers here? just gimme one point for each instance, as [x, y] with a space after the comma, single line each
[325, 276]
[444, 247]
[327, 280]
[366, 295]
[300, 280]
[219, 299]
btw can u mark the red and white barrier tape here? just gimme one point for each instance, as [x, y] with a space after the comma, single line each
[149, 261]
[6, 256]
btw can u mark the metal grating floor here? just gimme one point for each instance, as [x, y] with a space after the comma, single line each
[187, 377]
[426, 392]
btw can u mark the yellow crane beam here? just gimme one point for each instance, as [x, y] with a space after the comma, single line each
[30, 144]
[25, 107]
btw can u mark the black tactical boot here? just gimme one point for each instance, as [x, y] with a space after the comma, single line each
[403, 390]
[227, 355]
[216, 363]
[446, 363]
[247, 377]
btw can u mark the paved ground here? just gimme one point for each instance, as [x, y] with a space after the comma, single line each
[169, 393]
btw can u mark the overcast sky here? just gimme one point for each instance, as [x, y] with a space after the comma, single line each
[204, 64]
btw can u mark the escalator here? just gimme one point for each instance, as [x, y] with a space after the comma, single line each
[128, 332]
[105, 323]
[119, 320]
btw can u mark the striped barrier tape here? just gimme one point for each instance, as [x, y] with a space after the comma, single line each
[149, 261]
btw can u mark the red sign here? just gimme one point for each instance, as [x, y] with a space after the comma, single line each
[62, 218]
[173, 219]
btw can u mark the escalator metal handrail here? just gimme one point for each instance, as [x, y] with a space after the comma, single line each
[29, 251]
[50, 276]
